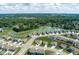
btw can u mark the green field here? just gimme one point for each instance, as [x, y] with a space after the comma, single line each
[23, 34]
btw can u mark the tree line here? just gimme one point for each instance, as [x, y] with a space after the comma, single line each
[19, 23]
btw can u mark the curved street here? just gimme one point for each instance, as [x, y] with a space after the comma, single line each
[28, 44]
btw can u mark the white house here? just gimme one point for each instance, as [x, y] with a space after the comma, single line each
[1, 29]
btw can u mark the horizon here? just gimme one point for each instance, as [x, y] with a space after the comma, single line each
[39, 13]
[68, 8]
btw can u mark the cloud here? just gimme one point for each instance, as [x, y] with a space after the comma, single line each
[39, 8]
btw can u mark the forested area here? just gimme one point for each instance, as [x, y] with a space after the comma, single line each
[19, 23]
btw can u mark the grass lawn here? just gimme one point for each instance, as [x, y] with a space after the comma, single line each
[23, 34]
[46, 39]
[17, 50]
[29, 32]
[65, 50]
[58, 44]
[6, 31]
[34, 43]
[47, 52]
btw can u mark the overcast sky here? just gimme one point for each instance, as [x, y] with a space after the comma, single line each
[39, 8]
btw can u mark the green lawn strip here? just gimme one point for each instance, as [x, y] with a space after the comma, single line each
[6, 31]
[42, 44]
[34, 43]
[65, 50]
[17, 50]
[47, 52]
[58, 44]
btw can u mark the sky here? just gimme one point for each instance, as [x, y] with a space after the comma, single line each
[39, 8]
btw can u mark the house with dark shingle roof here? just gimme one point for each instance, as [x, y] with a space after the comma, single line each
[71, 49]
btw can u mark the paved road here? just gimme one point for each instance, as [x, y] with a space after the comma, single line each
[29, 43]
[26, 46]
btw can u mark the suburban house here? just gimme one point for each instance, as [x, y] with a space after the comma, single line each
[1, 29]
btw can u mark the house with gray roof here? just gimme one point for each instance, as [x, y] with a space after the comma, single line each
[63, 45]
